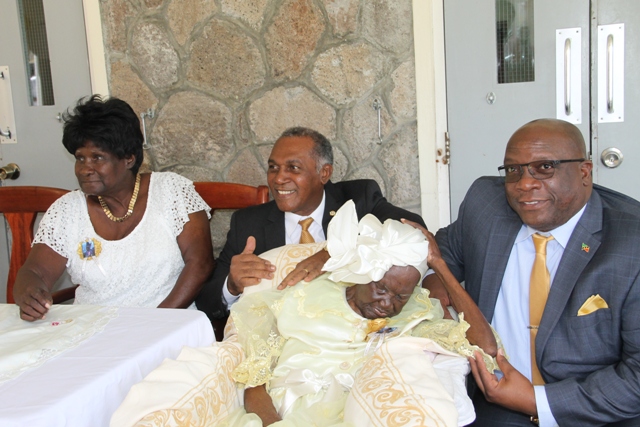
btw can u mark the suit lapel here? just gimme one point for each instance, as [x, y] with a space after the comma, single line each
[504, 230]
[274, 231]
[331, 204]
[573, 262]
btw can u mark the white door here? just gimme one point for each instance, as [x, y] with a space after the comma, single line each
[39, 152]
[622, 135]
[514, 41]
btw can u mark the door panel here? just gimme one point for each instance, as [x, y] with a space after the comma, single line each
[622, 135]
[479, 131]
[39, 152]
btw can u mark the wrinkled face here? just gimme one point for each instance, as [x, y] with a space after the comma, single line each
[100, 172]
[547, 204]
[384, 298]
[293, 177]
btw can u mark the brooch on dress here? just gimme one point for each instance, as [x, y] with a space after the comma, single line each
[89, 249]
[377, 338]
[374, 325]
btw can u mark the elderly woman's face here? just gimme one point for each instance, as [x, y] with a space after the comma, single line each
[387, 297]
[100, 172]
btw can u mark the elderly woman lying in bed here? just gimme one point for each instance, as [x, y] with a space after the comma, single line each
[342, 348]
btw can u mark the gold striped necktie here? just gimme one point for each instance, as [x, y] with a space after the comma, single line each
[305, 236]
[539, 286]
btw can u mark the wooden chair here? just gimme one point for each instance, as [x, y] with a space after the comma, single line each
[20, 206]
[226, 195]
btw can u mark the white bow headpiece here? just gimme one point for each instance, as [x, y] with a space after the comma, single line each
[363, 252]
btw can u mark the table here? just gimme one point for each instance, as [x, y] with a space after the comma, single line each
[85, 385]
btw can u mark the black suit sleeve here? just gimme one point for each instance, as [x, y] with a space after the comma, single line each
[210, 299]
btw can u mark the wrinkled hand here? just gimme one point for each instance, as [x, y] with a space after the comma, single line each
[432, 282]
[307, 269]
[439, 292]
[248, 269]
[513, 390]
[34, 301]
[434, 250]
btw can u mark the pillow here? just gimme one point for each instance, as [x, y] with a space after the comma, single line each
[197, 386]
[285, 258]
[405, 383]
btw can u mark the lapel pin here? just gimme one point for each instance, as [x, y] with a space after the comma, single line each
[332, 213]
[585, 247]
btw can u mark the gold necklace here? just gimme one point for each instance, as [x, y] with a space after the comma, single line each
[134, 197]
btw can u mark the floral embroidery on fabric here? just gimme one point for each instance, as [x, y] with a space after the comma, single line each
[262, 355]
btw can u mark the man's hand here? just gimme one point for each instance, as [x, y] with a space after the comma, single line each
[34, 301]
[248, 269]
[513, 390]
[432, 282]
[438, 291]
[307, 269]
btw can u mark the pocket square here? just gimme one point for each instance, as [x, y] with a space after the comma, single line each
[593, 303]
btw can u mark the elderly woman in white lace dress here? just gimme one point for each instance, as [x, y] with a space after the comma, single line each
[126, 238]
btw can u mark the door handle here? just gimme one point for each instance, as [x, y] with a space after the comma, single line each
[567, 76]
[10, 171]
[610, 73]
[6, 134]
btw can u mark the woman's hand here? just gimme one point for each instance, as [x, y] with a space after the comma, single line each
[258, 401]
[35, 279]
[34, 301]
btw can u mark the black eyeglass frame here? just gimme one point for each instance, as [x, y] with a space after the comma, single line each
[554, 163]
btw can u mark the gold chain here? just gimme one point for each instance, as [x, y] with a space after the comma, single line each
[132, 203]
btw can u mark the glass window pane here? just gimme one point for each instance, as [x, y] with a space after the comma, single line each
[515, 48]
[36, 52]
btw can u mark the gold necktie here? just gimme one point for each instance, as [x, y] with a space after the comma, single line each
[539, 286]
[305, 236]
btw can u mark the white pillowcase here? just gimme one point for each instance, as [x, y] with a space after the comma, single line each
[285, 258]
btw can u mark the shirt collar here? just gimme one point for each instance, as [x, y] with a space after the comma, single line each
[291, 220]
[560, 234]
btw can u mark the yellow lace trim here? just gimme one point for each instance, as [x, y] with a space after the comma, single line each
[451, 335]
[262, 357]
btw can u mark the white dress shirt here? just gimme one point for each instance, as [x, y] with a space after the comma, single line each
[292, 232]
[511, 315]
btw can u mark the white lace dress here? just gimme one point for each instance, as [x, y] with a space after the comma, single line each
[137, 271]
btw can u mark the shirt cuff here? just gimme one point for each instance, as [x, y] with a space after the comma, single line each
[545, 416]
[227, 296]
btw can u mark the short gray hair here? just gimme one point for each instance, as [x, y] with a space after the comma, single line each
[322, 150]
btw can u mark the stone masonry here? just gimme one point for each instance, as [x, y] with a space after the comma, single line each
[225, 77]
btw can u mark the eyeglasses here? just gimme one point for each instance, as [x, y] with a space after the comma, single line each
[540, 169]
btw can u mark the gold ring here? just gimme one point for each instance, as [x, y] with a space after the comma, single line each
[307, 271]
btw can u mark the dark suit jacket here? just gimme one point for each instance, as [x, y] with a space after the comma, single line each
[266, 224]
[591, 363]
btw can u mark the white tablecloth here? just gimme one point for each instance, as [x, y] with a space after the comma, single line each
[84, 386]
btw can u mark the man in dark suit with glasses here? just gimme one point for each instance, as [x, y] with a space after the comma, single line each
[553, 262]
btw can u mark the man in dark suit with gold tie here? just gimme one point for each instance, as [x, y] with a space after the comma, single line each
[299, 172]
[553, 262]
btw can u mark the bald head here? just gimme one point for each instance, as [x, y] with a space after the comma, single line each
[565, 132]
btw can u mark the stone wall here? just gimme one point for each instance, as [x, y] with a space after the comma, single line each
[226, 77]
